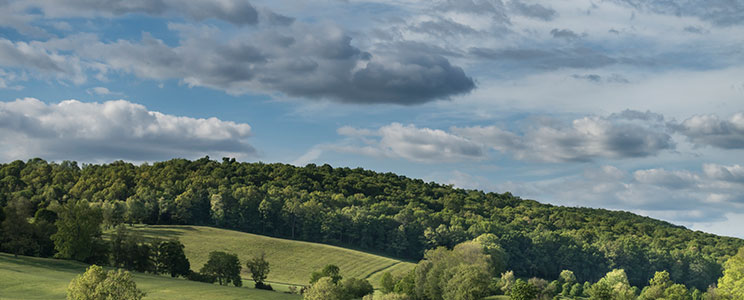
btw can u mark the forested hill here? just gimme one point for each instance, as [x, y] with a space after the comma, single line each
[379, 212]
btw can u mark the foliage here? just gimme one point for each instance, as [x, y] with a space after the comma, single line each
[330, 271]
[523, 291]
[129, 251]
[732, 283]
[97, 284]
[382, 212]
[259, 268]
[78, 233]
[224, 267]
[324, 289]
[17, 234]
[170, 258]
[355, 288]
[387, 283]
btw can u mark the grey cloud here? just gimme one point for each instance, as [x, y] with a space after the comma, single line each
[584, 140]
[564, 34]
[302, 61]
[613, 78]
[239, 12]
[734, 173]
[33, 56]
[668, 179]
[695, 29]
[495, 8]
[442, 27]
[719, 12]
[710, 130]
[113, 130]
[577, 57]
[534, 10]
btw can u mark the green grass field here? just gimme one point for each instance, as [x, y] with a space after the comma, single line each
[40, 278]
[291, 261]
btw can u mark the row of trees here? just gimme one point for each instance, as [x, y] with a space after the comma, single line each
[382, 212]
[466, 272]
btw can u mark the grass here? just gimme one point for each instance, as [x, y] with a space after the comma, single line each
[291, 262]
[41, 278]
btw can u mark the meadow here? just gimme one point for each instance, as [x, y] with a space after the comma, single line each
[291, 261]
[42, 278]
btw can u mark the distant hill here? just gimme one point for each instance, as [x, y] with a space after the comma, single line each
[375, 212]
[291, 261]
[28, 278]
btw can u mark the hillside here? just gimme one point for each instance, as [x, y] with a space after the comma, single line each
[360, 209]
[26, 278]
[291, 261]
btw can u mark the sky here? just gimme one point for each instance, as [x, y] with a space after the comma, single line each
[634, 105]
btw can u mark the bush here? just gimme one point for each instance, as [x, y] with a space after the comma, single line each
[263, 286]
[196, 276]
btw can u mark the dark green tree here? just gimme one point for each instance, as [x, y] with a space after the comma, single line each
[259, 268]
[330, 271]
[170, 258]
[225, 267]
[78, 233]
[523, 291]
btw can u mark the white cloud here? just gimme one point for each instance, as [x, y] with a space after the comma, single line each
[412, 143]
[113, 130]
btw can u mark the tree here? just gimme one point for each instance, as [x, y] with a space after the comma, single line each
[324, 289]
[17, 233]
[78, 234]
[97, 284]
[170, 259]
[732, 283]
[224, 267]
[330, 271]
[657, 286]
[259, 268]
[355, 288]
[522, 291]
[387, 283]
[469, 282]
[567, 276]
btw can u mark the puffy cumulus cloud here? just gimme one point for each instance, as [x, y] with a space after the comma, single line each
[585, 139]
[239, 12]
[711, 130]
[411, 143]
[113, 130]
[306, 61]
[680, 196]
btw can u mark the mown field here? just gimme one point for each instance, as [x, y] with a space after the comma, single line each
[291, 262]
[40, 278]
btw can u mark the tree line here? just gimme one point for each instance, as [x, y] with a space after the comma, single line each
[381, 212]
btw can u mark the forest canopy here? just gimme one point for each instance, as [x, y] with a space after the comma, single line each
[379, 212]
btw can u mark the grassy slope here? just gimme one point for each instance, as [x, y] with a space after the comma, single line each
[39, 278]
[291, 261]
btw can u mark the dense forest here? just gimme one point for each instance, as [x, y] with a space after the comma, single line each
[379, 212]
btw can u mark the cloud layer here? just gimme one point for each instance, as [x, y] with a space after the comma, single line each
[113, 130]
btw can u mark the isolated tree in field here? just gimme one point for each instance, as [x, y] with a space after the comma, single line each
[170, 258]
[97, 284]
[732, 283]
[78, 234]
[330, 271]
[225, 267]
[259, 268]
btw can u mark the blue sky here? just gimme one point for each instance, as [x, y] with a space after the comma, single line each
[620, 104]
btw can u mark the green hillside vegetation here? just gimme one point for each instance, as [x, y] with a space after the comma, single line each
[354, 208]
[26, 278]
[291, 262]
